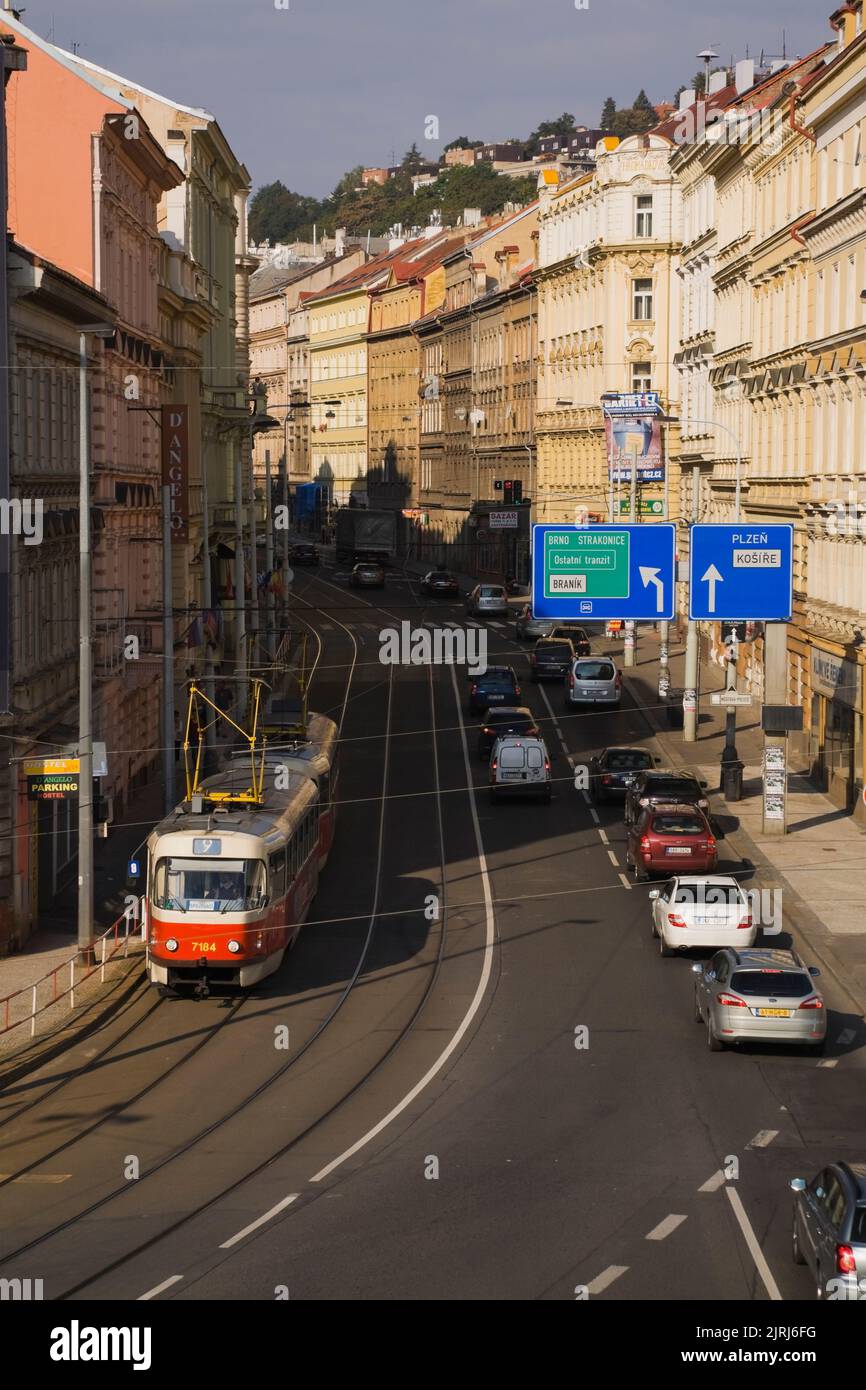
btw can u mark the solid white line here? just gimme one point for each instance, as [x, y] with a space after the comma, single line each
[595, 816]
[624, 881]
[752, 1241]
[613, 859]
[714, 1183]
[160, 1288]
[606, 1278]
[481, 988]
[664, 1228]
[603, 834]
[260, 1221]
[762, 1139]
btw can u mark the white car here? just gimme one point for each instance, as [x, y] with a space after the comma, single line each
[704, 911]
[519, 767]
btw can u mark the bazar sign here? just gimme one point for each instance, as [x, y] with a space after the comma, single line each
[834, 677]
[499, 521]
[51, 779]
[175, 466]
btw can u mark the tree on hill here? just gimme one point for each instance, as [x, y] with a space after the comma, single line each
[608, 113]
[278, 214]
[413, 159]
[563, 127]
[643, 104]
[461, 143]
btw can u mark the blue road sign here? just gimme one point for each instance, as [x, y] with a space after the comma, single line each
[603, 572]
[742, 572]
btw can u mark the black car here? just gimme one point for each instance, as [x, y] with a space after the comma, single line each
[505, 721]
[498, 686]
[657, 786]
[576, 636]
[551, 658]
[440, 584]
[303, 553]
[608, 773]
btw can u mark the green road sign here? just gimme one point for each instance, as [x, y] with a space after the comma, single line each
[589, 562]
[649, 507]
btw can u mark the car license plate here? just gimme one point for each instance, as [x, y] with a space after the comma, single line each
[705, 921]
[587, 692]
[773, 1013]
[677, 849]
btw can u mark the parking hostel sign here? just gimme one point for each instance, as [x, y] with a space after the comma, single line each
[51, 779]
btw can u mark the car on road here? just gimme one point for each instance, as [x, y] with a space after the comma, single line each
[303, 553]
[759, 996]
[440, 584]
[487, 601]
[703, 912]
[528, 628]
[829, 1229]
[577, 636]
[610, 771]
[551, 659]
[666, 835]
[593, 681]
[662, 784]
[520, 766]
[498, 686]
[507, 720]
[368, 575]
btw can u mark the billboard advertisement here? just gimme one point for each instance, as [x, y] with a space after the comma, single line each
[633, 435]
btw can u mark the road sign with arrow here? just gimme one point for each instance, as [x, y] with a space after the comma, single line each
[743, 571]
[603, 572]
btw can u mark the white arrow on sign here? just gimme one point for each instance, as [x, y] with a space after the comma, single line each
[713, 578]
[651, 576]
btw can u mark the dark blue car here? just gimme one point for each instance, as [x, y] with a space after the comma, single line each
[498, 686]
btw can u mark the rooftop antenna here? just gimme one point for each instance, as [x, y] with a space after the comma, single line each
[784, 52]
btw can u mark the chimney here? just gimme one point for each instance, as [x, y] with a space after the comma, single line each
[340, 241]
[687, 98]
[744, 74]
[718, 80]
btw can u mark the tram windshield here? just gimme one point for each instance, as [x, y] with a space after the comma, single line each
[223, 885]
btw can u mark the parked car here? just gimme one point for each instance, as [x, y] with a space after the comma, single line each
[662, 784]
[551, 659]
[507, 720]
[526, 626]
[520, 766]
[368, 575]
[610, 772]
[577, 636]
[440, 584]
[666, 835]
[303, 553]
[487, 600]
[593, 681]
[829, 1229]
[498, 686]
[703, 912]
[759, 996]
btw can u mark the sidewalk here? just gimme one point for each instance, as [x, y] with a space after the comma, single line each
[820, 864]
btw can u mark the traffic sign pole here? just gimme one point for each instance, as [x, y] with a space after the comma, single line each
[775, 758]
[690, 694]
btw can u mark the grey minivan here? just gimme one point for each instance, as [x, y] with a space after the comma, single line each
[486, 600]
[593, 680]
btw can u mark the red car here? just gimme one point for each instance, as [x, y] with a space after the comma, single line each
[671, 839]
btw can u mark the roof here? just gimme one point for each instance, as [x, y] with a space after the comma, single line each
[269, 278]
[113, 79]
[412, 256]
[95, 77]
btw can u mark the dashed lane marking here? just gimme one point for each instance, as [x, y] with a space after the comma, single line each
[613, 859]
[829, 1062]
[665, 1228]
[160, 1288]
[751, 1239]
[595, 816]
[762, 1139]
[603, 834]
[714, 1183]
[624, 881]
[606, 1278]
[35, 1178]
[260, 1221]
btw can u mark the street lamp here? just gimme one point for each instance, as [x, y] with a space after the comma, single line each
[105, 331]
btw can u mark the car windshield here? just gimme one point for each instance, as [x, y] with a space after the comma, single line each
[496, 678]
[514, 721]
[223, 885]
[789, 984]
[491, 591]
[627, 761]
[594, 671]
[858, 1226]
[575, 634]
[671, 786]
[557, 650]
[440, 574]
[678, 825]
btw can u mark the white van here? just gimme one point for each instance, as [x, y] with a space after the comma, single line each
[520, 766]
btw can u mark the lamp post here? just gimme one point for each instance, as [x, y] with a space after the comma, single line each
[85, 665]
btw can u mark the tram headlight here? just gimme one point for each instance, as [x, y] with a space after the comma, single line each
[234, 947]
[171, 944]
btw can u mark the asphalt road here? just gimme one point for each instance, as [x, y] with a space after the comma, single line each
[432, 1130]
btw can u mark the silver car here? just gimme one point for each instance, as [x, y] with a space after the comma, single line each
[593, 680]
[759, 996]
[519, 767]
[829, 1230]
[527, 627]
[487, 600]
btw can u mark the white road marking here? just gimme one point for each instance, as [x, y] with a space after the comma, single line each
[846, 1036]
[586, 796]
[595, 816]
[829, 1062]
[470, 622]
[160, 1288]
[605, 1279]
[752, 1241]
[664, 1228]
[624, 881]
[480, 990]
[762, 1139]
[260, 1221]
[714, 1183]
[613, 859]
[603, 834]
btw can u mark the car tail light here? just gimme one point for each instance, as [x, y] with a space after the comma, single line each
[618, 680]
[517, 690]
[547, 767]
[644, 801]
[813, 1003]
[474, 690]
[745, 924]
[709, 843]
[731, 1000]
[676, 921]
[485, 730]
[845, 1261]
[645, 844]
[493, 765]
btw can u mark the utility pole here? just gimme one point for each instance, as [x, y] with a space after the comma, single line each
[240, 593]
[254, 563]
[630, 625]
[168, 732]
[690, 692]
[664, 684]
[207, 604]
[269, 556]
[775, 755]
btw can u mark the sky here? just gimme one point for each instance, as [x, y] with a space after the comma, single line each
[306, 92]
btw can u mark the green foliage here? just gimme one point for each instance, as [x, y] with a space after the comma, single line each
[461, 143]
[563, 126]
[277, 214]
[608, 113]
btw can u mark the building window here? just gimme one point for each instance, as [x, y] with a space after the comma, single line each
[641, 376]
[643, 215]
[642, 299]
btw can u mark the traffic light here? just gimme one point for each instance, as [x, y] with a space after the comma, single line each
[517, 488]
[508, 491]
